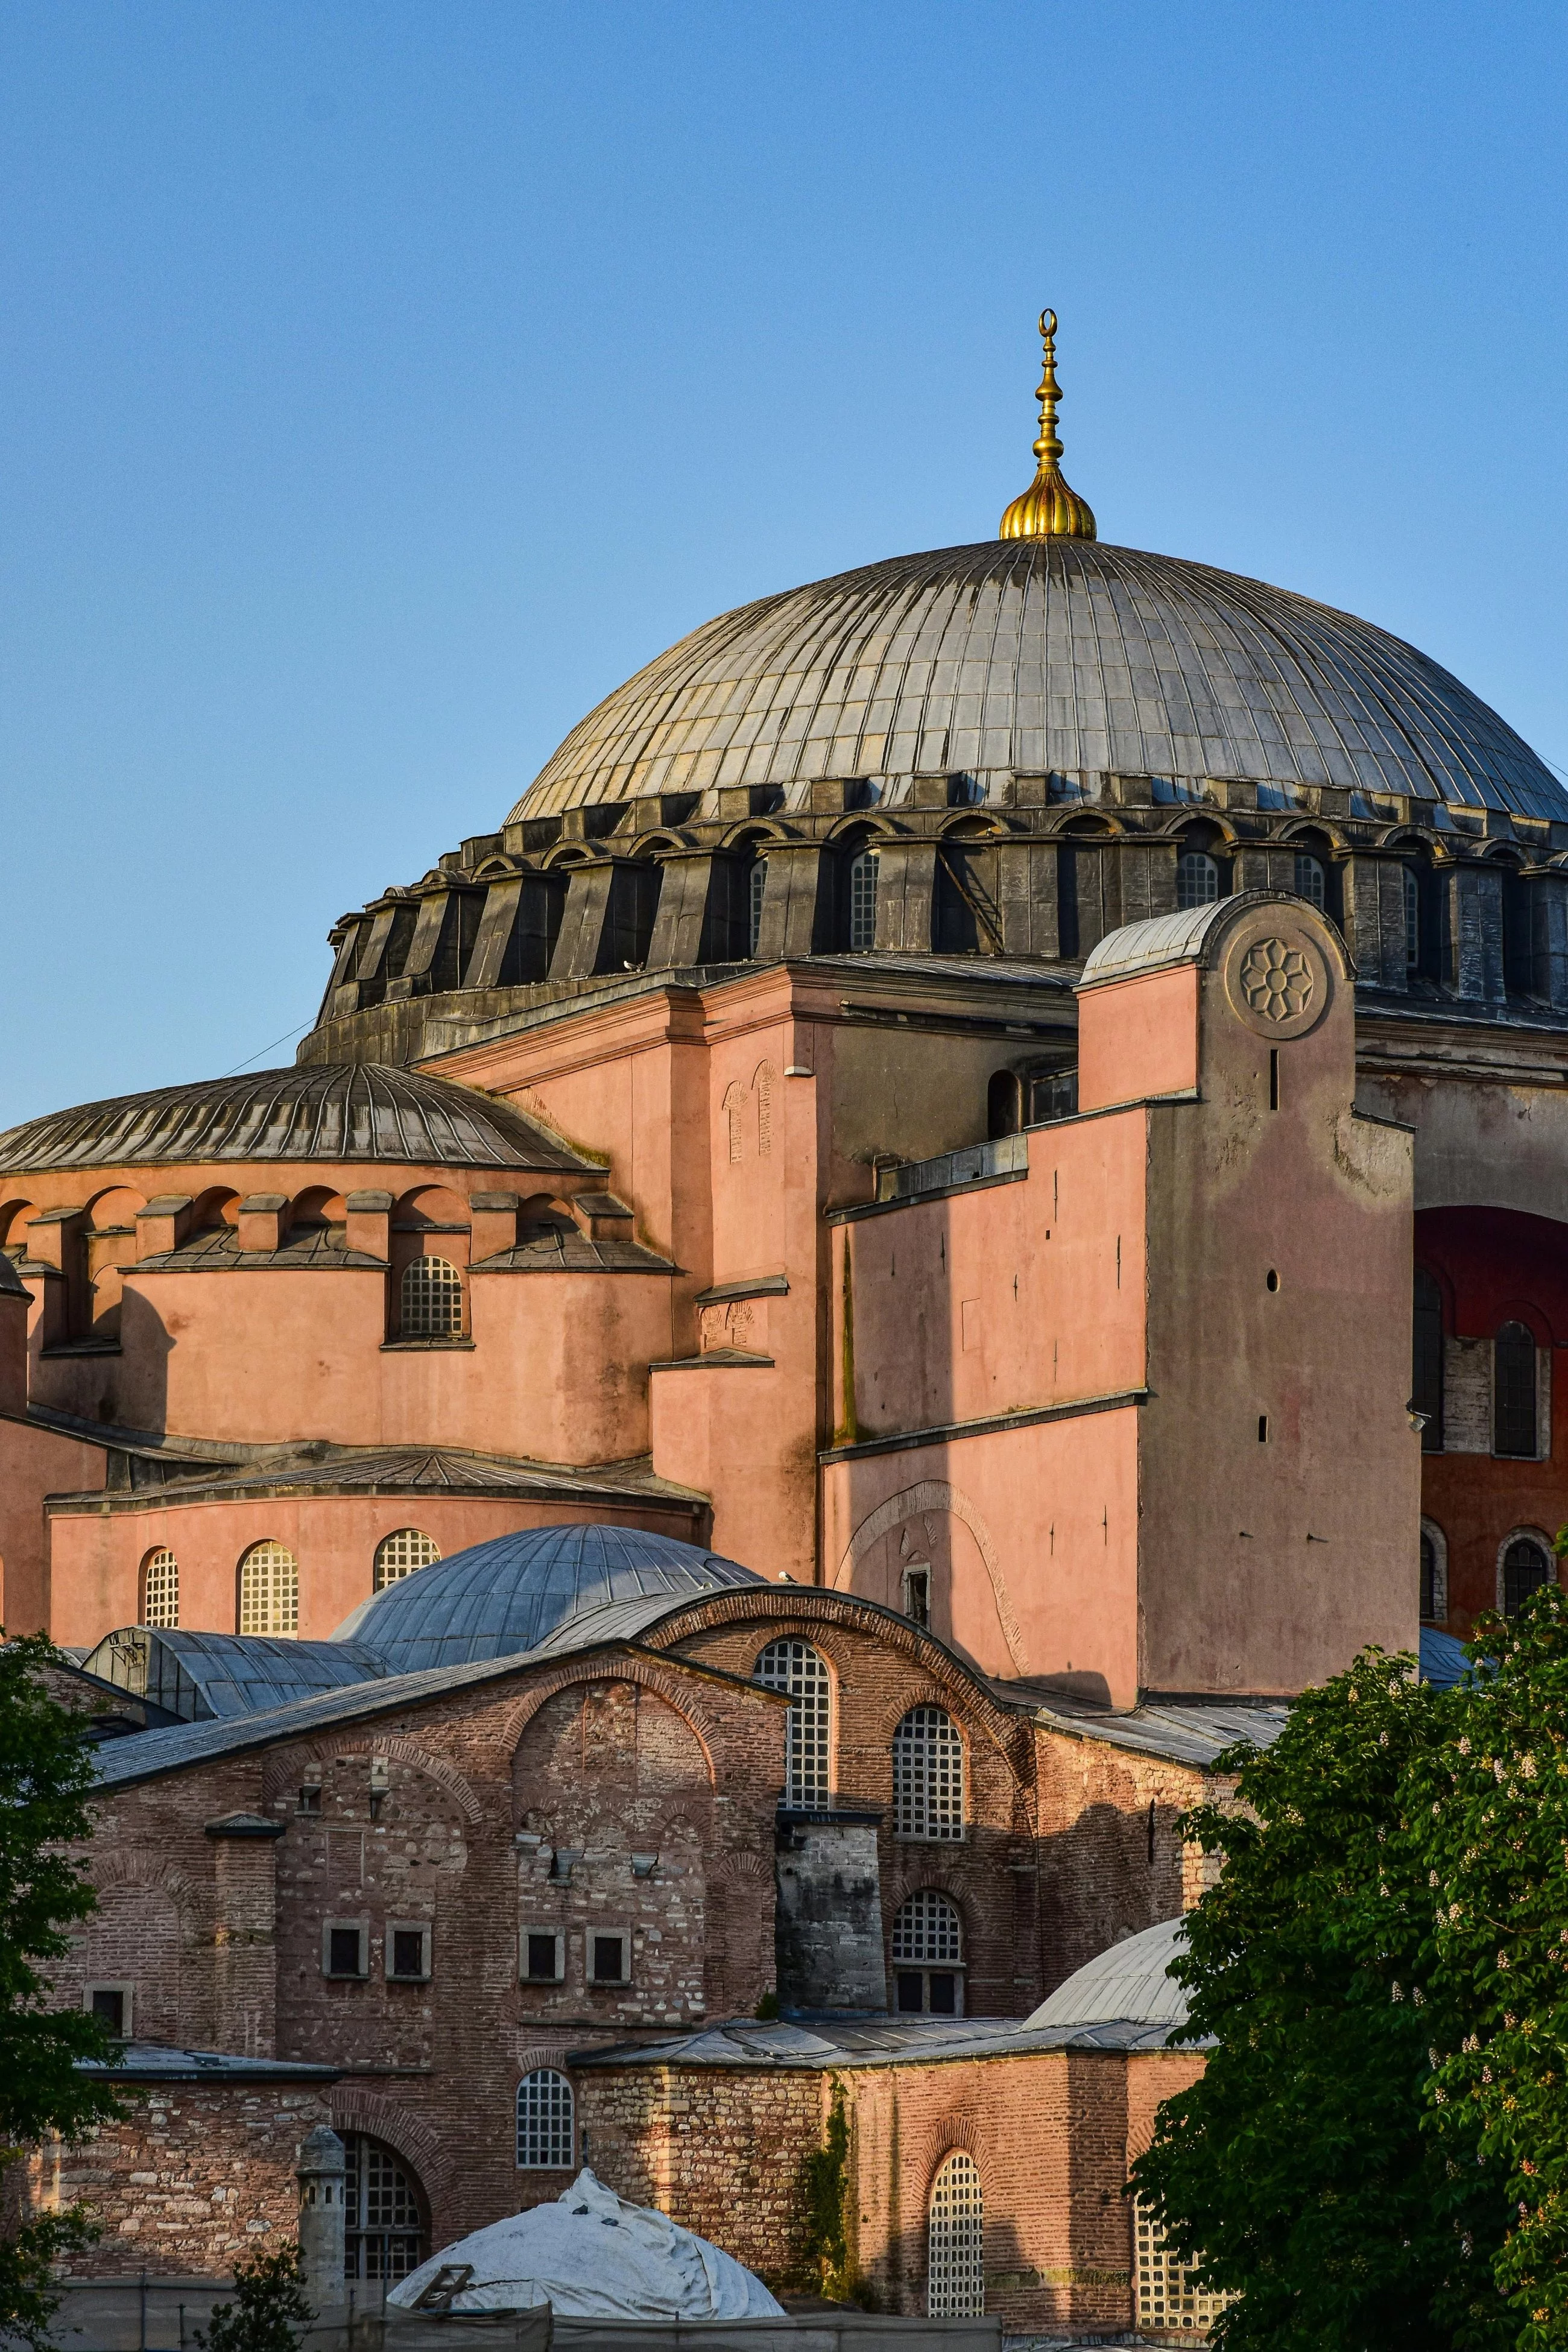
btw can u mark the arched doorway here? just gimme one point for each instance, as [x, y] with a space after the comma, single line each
[384, 2236]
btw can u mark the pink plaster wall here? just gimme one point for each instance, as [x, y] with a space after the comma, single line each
[34, 1462]
[1138, 1037]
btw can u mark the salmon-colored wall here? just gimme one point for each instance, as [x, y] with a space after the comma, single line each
[35, 1462]
[728, 1432]
[1031, 1537]
[98, 1555]
[1138, 1037]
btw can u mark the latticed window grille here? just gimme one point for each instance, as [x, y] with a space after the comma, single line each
[269, 1591]
[545, 2120]
[1525, 1568]
[1168, 2302]
[1197, 878]
[955, 2271]
[927, 1928]
[758, 884]
[161, 1588]
[382, 2238]
[863, 899]
[927, 1775]
[1310, 882]
[794, 1667]
[431, 1299]
[400, 1553]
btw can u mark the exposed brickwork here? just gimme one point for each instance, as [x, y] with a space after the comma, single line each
[189, 2181]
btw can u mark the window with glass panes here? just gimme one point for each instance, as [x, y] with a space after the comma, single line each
[1525, 1568]
[1513, 1398]
[544, 2121]
[432, 1300]
[927, 1953]
[1311, 883]
[955, 2236]
[1427, 1367]
[927, 1775]
[161, 1588]
[793, 1666]
[1169, 2304]
[863, 899]
[383, 2235]
[269, 1591]
[399, 1554]
[756, 888]
[1197, 878]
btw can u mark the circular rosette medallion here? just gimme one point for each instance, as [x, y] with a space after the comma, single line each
[1280, 985]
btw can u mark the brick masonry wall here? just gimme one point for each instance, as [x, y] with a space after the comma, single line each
[190, 2180]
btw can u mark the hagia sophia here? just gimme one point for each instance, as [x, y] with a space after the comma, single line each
[963, 1197]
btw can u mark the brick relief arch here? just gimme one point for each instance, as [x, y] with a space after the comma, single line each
[123, 1866]
[926, 2150]
[435, 2166]
[938, 1495]
[282, 1772]
[146, 1933]
[640, 1670]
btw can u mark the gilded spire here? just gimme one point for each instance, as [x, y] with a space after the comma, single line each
[1047, 509]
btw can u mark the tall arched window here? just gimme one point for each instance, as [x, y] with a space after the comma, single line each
[1411, 919]
[1168, 2302]
[756, 890]
[269, 1591]
[1526, 1566]
[1513, 1392]
[863, 899]
[432, 1300]
[1312, 882]
[544, 2121]
[927, 1775]
[927, 1953]
[383, 2237]
[1434, 1578]
[400, 1553]
[1426, 1369]
[955, 2263]
[793, 1665]
[1197, 878]
[160, 1587]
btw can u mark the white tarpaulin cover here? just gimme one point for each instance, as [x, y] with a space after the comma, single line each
[593, 2256]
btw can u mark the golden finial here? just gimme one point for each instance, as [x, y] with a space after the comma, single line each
[1047, 509]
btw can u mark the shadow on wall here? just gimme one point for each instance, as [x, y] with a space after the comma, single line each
[139, 1387]
[1109, 1875]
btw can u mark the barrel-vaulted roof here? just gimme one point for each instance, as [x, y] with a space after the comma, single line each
[333, 1111]
[1039, 655]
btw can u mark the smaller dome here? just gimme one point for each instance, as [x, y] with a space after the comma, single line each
[499, 1598]
[1127, 1985]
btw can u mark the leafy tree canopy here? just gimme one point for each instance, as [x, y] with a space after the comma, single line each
[269, 2308]
[1377, 2154]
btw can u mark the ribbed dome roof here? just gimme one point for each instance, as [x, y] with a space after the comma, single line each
[1128, 1984]
[332, 1111]
[505, 1596]
[1037, 654]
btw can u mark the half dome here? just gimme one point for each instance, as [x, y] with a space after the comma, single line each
[502, 1597]
[1131, 1984]
[1037, 655]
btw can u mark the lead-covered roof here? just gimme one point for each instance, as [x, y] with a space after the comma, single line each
[1043, 654]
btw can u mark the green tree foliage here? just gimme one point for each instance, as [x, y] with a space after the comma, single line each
[269, 2308]
[824, 2199]
[1377, 2154]
[45, 1773]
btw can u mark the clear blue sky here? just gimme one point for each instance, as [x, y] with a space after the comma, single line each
[382, 384]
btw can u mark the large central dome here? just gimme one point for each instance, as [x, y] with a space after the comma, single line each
[1042, 654]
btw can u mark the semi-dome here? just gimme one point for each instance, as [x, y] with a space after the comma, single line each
[507, 1595]
[329, 1111]
[1131, 1984]
[1042, 654]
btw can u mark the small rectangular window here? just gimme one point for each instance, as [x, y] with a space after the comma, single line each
[343, 1943]
[609, 1959]
[112, 2004]
[543, 1957]
[407, 1952]
[916, 1595]
[310, 1799]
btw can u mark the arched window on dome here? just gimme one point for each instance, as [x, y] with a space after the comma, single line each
[1197, 878]
[400, 1553]
[1513, 1393]
[546, 2122]
[756, 891]
[793, 1665]
[430, 1299]
[160, 1587]
[928, 1957]
[1311, 881]
[927, 1775]
[269, 1591]
[955, 2241]
[862, 897]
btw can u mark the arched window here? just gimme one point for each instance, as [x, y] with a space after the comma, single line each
[544, 2121]
[1003, 1105]
[399, 1554]
[793, 1665]
[383, 2236]
[1197, 878]
[160, 1587]
[1526, 1566]
[1513, 1392]
[927, 1775]
[431, 1299]
[1411, 919]
[1434, 1579]
[756, 890]
[863, 899]
[928, 1955]
[1426, 1369]
[955, 2265]
[1312, 882]
[1168, 2302]
[269, 1591]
